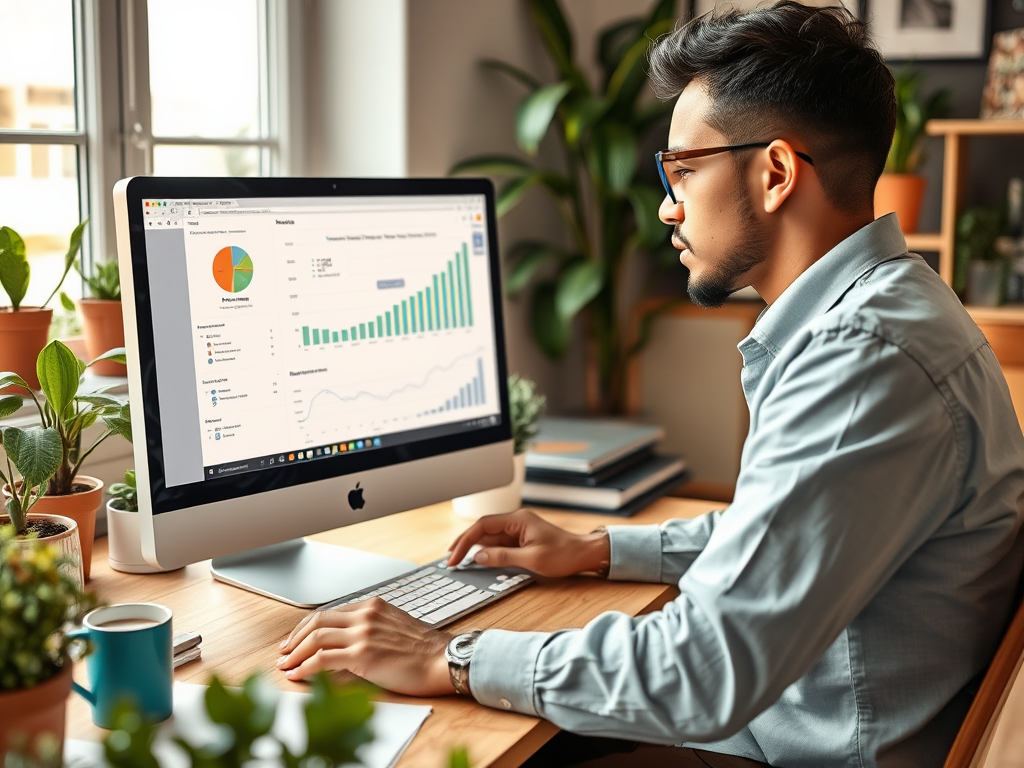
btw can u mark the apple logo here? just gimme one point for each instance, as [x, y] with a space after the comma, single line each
[355, 498]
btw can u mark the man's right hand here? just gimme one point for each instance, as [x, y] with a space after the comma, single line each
[525, 540]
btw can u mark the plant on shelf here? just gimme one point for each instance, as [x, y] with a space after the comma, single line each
[979, 266]
[526, 406]
[38, 602]
[102, 320]
[23, 330]
[599, 190]
[48, 457]
[900, 189]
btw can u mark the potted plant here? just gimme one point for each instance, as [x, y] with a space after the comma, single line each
[49, 457]
[38, 599]
[123, 538]
[901, 188]
[604, 190]
[23, 330]
[980, 266]
[102, 320]
[525, 406]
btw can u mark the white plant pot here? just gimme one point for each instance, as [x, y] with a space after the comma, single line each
[497, 500]
[124, 543]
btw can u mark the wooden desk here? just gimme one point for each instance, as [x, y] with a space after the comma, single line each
[241, 630]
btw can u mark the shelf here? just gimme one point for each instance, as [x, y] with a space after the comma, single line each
[923, 241]
[1011, 314]
[975, 127]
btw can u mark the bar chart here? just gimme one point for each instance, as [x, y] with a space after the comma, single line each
[468, 395]
[444, 303]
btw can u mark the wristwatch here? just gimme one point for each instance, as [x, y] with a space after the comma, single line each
[459, 653]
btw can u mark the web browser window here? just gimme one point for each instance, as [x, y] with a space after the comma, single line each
[303, 329]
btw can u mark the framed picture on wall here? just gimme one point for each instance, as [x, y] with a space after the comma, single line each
[700, 7]
[906, 30]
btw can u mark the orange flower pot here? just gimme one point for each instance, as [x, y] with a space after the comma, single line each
[22, 336]
[902, 193]
[31, 713]
[104, 330]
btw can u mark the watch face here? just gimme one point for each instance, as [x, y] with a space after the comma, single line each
[460, 649]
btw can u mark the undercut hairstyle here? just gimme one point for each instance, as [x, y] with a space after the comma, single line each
[790, 70]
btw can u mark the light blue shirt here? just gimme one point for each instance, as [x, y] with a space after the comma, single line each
[841, 611]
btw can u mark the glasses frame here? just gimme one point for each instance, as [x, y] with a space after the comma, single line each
[688, 154]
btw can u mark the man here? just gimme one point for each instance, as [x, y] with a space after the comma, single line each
[841, 610]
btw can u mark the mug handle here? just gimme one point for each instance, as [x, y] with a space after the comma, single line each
[83, 634]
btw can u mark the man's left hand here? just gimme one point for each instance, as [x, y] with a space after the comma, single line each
[373, 640]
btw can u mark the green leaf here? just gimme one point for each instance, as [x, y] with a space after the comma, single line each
[117, 355]
[14, 267]
[35, 451]
[612, 156]
[337, 720]
[102, 401]
[535, 114]
[10, 404]
[646, 201]
[550, 22]
[550, 331]
[528, 256]
[510, 195]
[9, 378]
[120, 424]
[66, 302]
[519, 75]
[69, 258]
[459, 758]
[578, 284]
[492, 165]
[630, 75]
[58, 372]
[615, 40]
[579, 114]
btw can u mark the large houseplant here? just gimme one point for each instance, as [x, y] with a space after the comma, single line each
[23, 330]
[37, 600]
[599, 189]
[102, 320]
[901, 188]
[48, 457]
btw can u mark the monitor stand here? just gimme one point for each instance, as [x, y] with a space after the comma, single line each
[304, 573]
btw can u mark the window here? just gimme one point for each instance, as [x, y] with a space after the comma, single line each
[91, 92]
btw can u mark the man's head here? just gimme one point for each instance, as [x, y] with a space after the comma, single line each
[805, 82]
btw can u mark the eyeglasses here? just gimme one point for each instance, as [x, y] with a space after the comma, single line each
[665, 157]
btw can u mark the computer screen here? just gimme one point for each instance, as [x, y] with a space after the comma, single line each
[307, 353]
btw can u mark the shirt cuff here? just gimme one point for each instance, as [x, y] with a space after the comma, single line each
[502, 670]
[635, 553]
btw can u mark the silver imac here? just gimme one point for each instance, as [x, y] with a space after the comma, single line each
[305, 354]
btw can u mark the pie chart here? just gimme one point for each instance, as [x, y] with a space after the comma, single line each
[232, 269]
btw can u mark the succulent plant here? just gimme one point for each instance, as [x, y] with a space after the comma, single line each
[126, 493]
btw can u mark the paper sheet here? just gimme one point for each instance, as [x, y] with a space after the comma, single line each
[394, 726]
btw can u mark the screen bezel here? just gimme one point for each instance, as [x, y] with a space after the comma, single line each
[168, 499]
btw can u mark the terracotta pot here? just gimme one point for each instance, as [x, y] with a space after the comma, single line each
[68, 543]
[104, 330]
[23, 335]
[33, 712]
[80, 507]
[902, 193]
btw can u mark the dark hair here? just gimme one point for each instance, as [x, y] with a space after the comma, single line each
[789, 68]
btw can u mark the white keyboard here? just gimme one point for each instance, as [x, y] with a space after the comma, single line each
[439, 595]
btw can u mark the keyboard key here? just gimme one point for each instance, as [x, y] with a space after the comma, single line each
[458, 606]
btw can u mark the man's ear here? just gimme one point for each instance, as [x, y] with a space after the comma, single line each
[780, 174]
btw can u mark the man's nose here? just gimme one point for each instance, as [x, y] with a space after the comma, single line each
[671, 213]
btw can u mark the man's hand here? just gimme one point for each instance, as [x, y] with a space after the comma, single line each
[373, 640]
[525, 540]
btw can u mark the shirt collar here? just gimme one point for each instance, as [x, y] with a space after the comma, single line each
[822, 284]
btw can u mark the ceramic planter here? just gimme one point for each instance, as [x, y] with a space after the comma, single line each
[22, 335]
[124, 541]
[902, 193]
[103, 325]
[80, 507]
[67, 543]
[35, 712]
[985, 283]
[497, 500]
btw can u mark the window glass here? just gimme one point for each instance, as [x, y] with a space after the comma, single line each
[37, 66]
[173, 160]
[204, 68]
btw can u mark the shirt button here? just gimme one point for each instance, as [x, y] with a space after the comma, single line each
[505, 703]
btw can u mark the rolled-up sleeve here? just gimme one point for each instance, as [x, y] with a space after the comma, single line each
[852, 451]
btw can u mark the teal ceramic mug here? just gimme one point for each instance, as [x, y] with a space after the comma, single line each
[131, 660]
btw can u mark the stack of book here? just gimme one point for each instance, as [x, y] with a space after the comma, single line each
[598, 465]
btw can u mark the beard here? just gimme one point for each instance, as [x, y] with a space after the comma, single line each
[712, 289]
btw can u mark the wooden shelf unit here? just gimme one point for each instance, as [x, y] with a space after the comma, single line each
[954, 181]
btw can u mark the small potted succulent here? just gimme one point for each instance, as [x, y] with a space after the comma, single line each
[123, 537]
[526, 406]
[48, 457]
[23, 330]
[102, 320]
[38, 601]
[980, 267]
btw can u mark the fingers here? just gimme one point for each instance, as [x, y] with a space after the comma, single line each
[333, 660]
[492, 527]
[335, 617]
